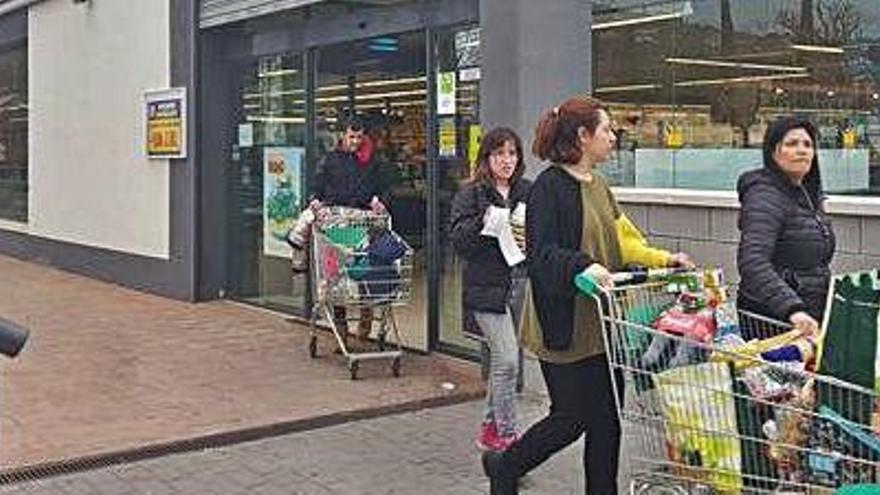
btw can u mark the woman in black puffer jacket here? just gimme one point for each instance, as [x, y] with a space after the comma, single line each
[786, 241]
[486, 276]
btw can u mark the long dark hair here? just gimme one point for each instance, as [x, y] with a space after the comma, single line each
[493, 140]
[556, 137]
[776, 132]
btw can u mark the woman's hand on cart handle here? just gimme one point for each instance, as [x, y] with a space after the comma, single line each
[600, 275]
[807, 325]
[377, 206]
[681, 260]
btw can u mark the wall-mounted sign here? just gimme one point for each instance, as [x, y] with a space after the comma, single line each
[165, 118]
[469, 74]
[467, 47]
[446, 93]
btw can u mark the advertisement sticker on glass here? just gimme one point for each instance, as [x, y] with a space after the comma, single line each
[282, 182]
[448, 142]
[446, 93]
[245, 135]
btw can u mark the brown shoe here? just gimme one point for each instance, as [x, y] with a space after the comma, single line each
[365, 325]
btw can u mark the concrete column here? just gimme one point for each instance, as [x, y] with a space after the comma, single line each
[534, 55]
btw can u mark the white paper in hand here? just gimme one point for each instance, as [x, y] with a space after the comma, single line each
[498, 225]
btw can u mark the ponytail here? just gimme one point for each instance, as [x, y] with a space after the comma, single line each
[556, 135]
[544, 132]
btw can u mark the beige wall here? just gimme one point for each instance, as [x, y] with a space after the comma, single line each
[710, 234]
[90, 182]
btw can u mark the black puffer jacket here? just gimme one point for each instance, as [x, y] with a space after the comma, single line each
[486, 275]
[786, 242]
[341, 182]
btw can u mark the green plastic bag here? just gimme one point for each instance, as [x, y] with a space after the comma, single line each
[349, 237]
[859, 490]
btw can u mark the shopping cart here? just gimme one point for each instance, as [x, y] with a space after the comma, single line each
[713, 417]
[359, 262]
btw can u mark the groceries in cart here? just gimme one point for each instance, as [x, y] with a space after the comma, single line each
[358, 261]
[361, 258]
[375, 265]
[784, 411]
[701, 423]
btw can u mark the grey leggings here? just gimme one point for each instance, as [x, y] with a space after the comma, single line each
[500, 335]
[500, 332]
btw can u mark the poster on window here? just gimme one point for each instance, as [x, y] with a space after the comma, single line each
[447, 136]
[282, 181]
[446, 93]
[165, 123]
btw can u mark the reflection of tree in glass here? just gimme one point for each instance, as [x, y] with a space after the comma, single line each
[826, 22]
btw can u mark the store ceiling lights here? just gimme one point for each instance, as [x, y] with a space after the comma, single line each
[739, 80]
[703, 82]
[686, 9]
[384, 44]
[834, 50]
[277, 73]
[733, 65]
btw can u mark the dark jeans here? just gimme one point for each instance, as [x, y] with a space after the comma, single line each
[340, 319]
[581, 403]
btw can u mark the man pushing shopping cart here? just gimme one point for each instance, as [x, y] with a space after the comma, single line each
[356, 260]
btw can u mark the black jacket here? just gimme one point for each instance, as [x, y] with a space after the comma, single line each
[786, 245]
[486, 275]
[339, 181]
[554, 224]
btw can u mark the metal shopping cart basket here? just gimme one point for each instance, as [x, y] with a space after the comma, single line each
[726, 415]
[358, 262]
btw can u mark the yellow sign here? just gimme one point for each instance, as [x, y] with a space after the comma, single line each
[674, 136]
[447, 146]
[166, 124]
[849, 138]
[475, 135]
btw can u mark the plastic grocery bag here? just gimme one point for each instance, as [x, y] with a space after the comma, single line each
[698, 408]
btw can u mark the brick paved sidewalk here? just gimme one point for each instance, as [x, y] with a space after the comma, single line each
[428, 452]
[109, 369]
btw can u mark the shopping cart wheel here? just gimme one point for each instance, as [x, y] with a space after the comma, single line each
[395, 367]
[353, 369]
[313, 347]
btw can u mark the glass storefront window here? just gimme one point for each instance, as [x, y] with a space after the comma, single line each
[459, 132]
[267, 185]
[14, 133]
[318, 75]
[693, 85]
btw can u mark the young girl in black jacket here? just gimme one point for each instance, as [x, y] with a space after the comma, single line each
[486, 277]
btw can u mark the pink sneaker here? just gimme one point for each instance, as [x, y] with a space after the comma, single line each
[488, 436]
[503, 443]
[488, 439]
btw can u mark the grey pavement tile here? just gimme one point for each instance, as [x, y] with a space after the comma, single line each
[425, 453]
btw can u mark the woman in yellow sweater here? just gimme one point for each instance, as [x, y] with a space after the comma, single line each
[573, 225]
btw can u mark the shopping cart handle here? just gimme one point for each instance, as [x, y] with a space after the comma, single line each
[589, 286]
[586, 284]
